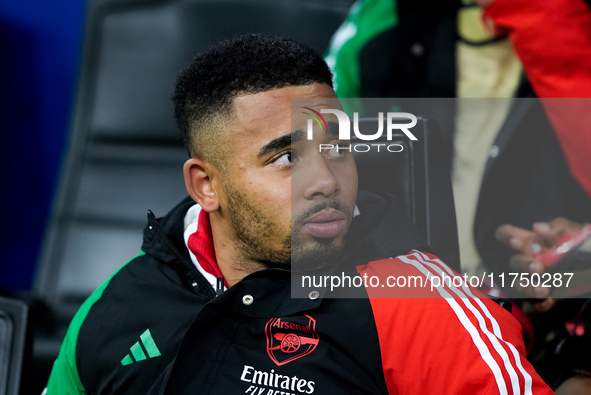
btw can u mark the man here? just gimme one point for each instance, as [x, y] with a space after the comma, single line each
[207, 306]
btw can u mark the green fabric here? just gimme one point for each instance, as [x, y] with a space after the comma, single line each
[366, 20]
[64, 378]
[137, 352]
[150, 344]
[127, 360]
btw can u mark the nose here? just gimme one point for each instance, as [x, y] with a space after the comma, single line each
[321, 180]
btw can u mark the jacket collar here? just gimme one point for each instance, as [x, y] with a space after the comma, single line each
[183, 237]
[199, 241]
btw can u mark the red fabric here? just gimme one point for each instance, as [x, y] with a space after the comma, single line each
[433, 345]
[553, 41]
[526, 324]
[201, 244]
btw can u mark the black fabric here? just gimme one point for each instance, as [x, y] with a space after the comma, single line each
[421, 47]
[416, 58]
[163, 239]
[381, 231]
[146, 294]
[223, 342]
[162, 291]
[560, 352]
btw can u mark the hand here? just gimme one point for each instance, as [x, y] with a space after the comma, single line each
[575, 385]
[526, 243]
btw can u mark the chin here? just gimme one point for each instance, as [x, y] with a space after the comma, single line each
[323, 254]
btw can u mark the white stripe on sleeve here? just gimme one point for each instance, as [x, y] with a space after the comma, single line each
[465, 321]
[496, 330]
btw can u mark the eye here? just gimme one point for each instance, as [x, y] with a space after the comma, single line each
[283, 160]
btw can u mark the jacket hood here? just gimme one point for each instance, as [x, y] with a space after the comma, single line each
[163, 239]
[381, 230]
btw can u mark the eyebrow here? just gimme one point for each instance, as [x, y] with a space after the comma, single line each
[288, 139]
[281, 142]
[333, 128]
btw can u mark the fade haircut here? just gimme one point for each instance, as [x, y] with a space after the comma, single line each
[241, 65]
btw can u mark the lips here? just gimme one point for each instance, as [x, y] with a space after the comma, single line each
[326, 224]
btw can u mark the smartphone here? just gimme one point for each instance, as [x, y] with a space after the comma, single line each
[572, 256]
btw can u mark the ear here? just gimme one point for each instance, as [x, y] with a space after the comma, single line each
[199, 180]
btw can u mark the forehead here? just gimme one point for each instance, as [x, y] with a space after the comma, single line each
[267, 114]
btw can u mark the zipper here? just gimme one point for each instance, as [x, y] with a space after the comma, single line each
[219, 289]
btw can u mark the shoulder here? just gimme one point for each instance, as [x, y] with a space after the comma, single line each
[126, 330]
[413, 275]
[65, 376]
[133, 330]
[419, 285]
[451, 334]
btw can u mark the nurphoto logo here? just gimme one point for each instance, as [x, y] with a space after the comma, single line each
[402, 121]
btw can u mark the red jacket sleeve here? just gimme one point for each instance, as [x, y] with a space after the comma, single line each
[553, 41]
[450, 339]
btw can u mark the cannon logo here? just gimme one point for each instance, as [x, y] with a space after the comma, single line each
[288, 340]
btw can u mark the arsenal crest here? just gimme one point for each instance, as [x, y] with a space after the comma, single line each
[290, 338]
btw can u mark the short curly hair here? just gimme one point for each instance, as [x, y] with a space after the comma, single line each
[245, 64]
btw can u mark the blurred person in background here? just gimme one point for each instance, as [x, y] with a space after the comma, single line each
[553, 41]
[510, 164]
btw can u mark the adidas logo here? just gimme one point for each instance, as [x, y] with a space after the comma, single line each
[137, 351]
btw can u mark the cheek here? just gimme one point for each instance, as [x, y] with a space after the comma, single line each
[276, 202]
[349, 182]
[279, 213]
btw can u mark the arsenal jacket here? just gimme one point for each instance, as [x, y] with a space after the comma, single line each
[159, 326]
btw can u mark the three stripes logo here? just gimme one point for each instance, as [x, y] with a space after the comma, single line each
[145, 345]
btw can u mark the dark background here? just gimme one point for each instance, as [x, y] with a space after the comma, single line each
[40, 46]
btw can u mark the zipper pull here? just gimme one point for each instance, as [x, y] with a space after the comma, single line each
[219, 286]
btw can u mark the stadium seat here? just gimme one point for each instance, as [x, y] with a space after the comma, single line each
[419, 177]
[125, 157]
[14, 344]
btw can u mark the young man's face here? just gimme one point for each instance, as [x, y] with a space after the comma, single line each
[279, 190]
